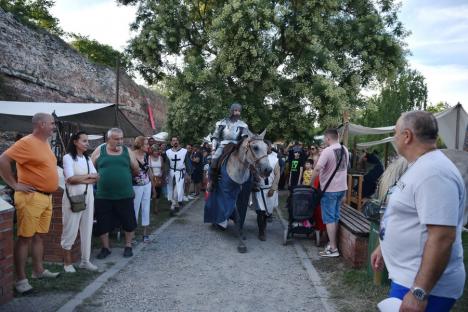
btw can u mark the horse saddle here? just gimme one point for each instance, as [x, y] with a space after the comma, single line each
[227, 151]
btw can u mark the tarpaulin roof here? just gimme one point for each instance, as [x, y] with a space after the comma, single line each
[452, 122]
[91, 117]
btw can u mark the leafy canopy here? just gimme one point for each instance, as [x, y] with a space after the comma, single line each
[99, 53]
[407, 92]
[33, 12]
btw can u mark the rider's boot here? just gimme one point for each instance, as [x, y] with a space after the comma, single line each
[261, 222]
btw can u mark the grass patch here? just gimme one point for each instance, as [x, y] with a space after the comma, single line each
[65, 282]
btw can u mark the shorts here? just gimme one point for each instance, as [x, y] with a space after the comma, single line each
[113, 212]
[33, 213]
[434, 303]
[330, 204]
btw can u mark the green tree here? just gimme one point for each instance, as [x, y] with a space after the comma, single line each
[99, 53]
[33, 12]
[438, 107]
[408, 91]
[291, 63]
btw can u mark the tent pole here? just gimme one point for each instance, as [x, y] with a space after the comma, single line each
[386, 155]
[117, 82]
[457, 127]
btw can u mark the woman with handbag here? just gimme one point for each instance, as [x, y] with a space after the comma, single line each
[142, 184]
[157, 165]
[78, 201]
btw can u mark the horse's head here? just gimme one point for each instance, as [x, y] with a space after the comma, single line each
[257, 153]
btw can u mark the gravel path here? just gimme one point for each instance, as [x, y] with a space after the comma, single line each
[192, 267]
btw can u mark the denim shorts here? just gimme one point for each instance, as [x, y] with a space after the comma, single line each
[330, 203]
[434, 303]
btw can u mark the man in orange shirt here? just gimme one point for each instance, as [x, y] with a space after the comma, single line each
[37, 179]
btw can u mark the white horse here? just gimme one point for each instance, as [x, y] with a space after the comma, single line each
[229, 198]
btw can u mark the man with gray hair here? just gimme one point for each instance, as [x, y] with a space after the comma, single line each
[420, 232]
[37, 180]
[116, 164]
[227, 130]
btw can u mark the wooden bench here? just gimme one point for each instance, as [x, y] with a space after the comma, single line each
[353, 236]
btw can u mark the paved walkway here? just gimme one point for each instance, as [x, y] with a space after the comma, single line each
[191, 267]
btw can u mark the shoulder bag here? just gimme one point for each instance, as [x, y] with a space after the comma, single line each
[316, 192]
[78, 202]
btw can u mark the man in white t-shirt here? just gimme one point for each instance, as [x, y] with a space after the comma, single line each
[421, 228]
[333, 157]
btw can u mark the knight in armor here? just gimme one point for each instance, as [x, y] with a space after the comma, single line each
[227, 130]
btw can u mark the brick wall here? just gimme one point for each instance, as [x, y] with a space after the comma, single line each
[353, 248]
[6, 254]
[53, 251]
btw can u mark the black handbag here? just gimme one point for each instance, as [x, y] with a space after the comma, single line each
[316, 192]
[78, 202]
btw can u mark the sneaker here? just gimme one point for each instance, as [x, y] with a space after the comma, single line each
[146, 239]
[69, 268]
[103, 253]
[45, 274]
[88, 266]
[128, 252]
[186, 198]
[23, 286]
[329, 253]
[190, 197]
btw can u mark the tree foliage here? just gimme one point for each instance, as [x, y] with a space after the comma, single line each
[33, 12]
[99, 53]
[291, 63]
[408, 91]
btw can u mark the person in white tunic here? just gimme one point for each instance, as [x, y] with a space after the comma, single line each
[80, 175]
[266, 194]
[177, 158]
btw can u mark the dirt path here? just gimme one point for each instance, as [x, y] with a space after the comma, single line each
[192, 267]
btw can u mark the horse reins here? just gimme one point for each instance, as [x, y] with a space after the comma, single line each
[249, 148]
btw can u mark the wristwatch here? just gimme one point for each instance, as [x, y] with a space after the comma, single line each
[419, 293]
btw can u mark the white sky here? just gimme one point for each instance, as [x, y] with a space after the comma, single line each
[438, 42]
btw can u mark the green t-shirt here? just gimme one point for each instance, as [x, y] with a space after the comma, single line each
[115, 175]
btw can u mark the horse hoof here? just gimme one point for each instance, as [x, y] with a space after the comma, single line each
[242, 249]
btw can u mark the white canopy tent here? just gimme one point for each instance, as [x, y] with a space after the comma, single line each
[91, 117]
[453, 124]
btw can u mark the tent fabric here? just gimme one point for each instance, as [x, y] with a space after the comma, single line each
[373, 143]
[61, 109]
[447, 122]
[90, 117]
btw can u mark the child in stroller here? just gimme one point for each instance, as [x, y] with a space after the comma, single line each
[301, 214]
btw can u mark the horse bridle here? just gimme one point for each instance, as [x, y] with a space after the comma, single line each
[249, 148]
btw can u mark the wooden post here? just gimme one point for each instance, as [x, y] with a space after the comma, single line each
[346, 128]
[117, 91]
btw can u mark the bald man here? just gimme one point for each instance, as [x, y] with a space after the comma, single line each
[37, 179]
[420, 232]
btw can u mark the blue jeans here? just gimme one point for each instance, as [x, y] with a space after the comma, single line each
[330, 203]
[434, 303]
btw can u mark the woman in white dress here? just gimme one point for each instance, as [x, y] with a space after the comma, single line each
[80, 175]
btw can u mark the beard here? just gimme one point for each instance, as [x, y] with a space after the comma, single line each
[234, 117]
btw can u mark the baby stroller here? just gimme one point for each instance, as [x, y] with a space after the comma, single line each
[301, 211]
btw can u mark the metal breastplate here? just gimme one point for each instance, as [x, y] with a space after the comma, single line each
[232, 131]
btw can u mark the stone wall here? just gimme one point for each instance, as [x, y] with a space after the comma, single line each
[37, 66]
